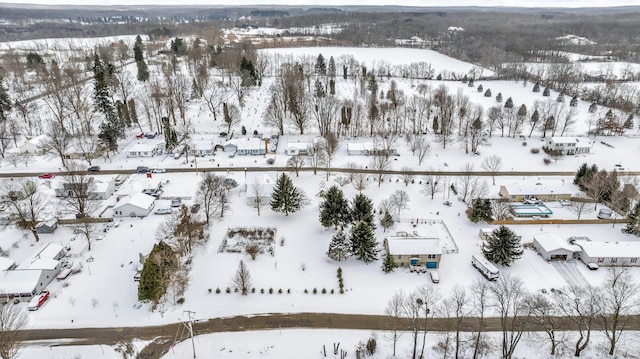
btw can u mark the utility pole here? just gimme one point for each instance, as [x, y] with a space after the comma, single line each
[189, 326]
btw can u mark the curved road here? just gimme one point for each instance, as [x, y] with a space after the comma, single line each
[164, 335]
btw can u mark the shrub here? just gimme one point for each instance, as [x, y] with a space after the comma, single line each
[270, 290]
[223, 134]
[315, 290]
[228, 290]
[288, 291]
[371, 346]
[210, 290]
[324, 291]
[331, 290]
[524, 143]
[261, 290]
[546, 160]
[218, 290]
[271, 160]
[535, 150]
[280, 291]
[180, 300]
[341, 290]
[253, 290]
[236, 290]
[339, 272]
[306, 291]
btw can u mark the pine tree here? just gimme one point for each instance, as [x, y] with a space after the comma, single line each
[339, 247]
[332, 87]
[508, 103]
[156, 271]
[633, 221]
[321, 67]
[386, 221]
[363, 242]
[388, 263]
[319, 89]
[143, 70]
[112, 128]
[170, 136]
[362, 210]
[499, 97]
[480, 211]
[334, 210]
[331, 69]
[502, 246]
[286, 198]
[5, 101]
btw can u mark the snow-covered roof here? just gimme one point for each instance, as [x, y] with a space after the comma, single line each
[40, 263]
[248, 143]
[202, 146]
[550, 243]
[527, 189]
[298, 145]
[36, 141]
[416, 245]
[360, 146]
[142, 147]
[100, 187]
[19, 281]
[140, 200]
[51, 250]
[610, 249]
[6, 263]
[580, 142]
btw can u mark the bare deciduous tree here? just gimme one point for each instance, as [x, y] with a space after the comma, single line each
[296, 163]
[380, 164]
[581, 306]
[394, 312]
[480, 301]
[545, 314]
[579, 204]
[257, 196]
[407, 175]
[432, 183]
[492, 164]
[26, 202]
[509, 299]
[399, 201]
[13, 319]
[619, 294]
[242, 278]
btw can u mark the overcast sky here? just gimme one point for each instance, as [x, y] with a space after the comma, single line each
[517, 3]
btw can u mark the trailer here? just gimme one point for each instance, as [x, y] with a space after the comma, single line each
[485, 267]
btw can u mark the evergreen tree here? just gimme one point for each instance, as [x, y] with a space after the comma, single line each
[508, 103]
[286, 198]
[583, 174]
[331, 69]
[499, 97]
[480, 211]
[178, 46]
[372, 84]
[170, 135]
[436, 125]
[334, 210]
[593, 107]
[388, 263]
[156, 271]
[332, 86]
[633, 221]
[112, 128]
[321, 67]
[248, 73]
[344, 72]
[5, 102]
[319, 89]
[546, 92]
[386, 221]
[339, 247]
[143, 70]
[502, 246]
[362, 210]
[363, 242]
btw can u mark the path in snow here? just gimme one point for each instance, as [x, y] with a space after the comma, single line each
[570, 273]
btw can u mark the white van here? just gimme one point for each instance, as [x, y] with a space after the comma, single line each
[435, 277]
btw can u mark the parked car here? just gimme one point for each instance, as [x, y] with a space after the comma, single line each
[93, 169]
[158, 170]
[195, 208]
[163, 211]
[140, 135]
[435, 278]
[447, 203]
[38, 300]
[592, 266]
[46, 175]
[176, 202]
[142, 169]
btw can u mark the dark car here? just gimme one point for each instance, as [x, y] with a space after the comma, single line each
[93, 169]
[195, 208]
[143, 169]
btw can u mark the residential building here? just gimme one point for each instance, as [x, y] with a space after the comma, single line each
[246, 146]
[413, 250]
[142, 150]
[569, 145]
[552, 248]
[33, 146]
[521, 192]
[47, 226]
[610, 253]
[135, 205]
[298, 149]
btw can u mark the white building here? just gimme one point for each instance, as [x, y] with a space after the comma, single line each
[23, 284]
[104, 189]
[552, 248]
[51, 250]
[610, 253]
[359, 148]
[298, 148]
[202, 148]
[136, 205]
[33, 146]
[520, 192]
[569, 145]
[412, 250]
[7, 263]
[142, 150]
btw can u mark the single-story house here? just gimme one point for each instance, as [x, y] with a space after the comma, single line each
[569, 145]
[135, 205]
[518, 193]
[7, 263]
[298, 149]
[609, 253]
[369, 148]
[104, 189]
[142, 150]
[202, 148]
[266, 183]
[145, 185]
[49, 226]
[411, 250]
[23, 284]
[33, 146]
[552, 248]
[246, 146]
[51, 250]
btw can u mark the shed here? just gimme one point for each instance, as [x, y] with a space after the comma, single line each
[552, 248]
[410, 250]
[136, 205]
[609, 253]
[49, 226]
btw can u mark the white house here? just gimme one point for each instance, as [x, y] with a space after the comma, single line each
[266, 185]
[569, 145]
[609, 253]
[23, 284]
[104, 189]
[137, 185]
[412, 250]
[298, 148]
[32, 146]
[48, 226]
[202, 148]
[51, 250]
[136, 205]
[520, 192]
[552, 248]
[359, 148]
[246, 146]
[142, 150]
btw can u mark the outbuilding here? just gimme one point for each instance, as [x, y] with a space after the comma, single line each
[552, 248]
[135, 205]
[49, 226]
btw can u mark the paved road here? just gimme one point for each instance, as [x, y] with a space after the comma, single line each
[164, 335]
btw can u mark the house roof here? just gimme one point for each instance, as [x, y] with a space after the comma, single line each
[413, 245]
[35, 141]
[50, 223]
[100, 187]
[19, 281]
[249, 144]
[51, 250]
[140, 200]
[360, 146]
[580, 142]
[6, 263]
[298, 145]
[142, 147]
[41, 263]
[550, 243]
[610, 249]
[525, 189]
[202, 146]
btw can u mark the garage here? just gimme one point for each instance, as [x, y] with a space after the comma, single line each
[552, 248]
[432, 264]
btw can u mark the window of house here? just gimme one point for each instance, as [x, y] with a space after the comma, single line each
[399, 257]
[614, 260]
[600, 260]
[634, 260]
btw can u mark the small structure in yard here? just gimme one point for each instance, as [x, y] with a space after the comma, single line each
[369, 148]
[47, 227]
[530, 210]
[609, 253]
[136, 205]
[142, 150]
[569, 145]
[552, 248]
[416, 252]
[238, 239]
[519, 193]
[51, 250]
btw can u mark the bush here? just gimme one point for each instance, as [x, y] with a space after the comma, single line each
[288, 291]
[306, 291]
[341, 290]
[324, 291]
[180, 300]
[271, 160]
[253, 290]
[223, 134]
[261, 290]
[218, 290]
[315, 290]
[270, 290]
[228, 290]
[339, 272]
[524, 143]
[331, 290]
[280, 291]
[535, 150]
[371, 346]
[236, 290]
[546, 160]
[210, 290]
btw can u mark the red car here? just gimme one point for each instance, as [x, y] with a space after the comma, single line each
[46, 175]
[140, 135]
